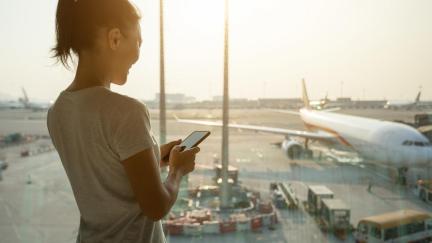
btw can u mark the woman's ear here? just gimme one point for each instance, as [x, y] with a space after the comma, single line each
[114, 38]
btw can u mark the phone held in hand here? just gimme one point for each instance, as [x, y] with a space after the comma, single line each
[193, 140]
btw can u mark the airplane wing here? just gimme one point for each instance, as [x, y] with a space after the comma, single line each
[274, 130]
[331, 109]
[291, 112]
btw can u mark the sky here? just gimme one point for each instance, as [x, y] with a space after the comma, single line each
[365, 49]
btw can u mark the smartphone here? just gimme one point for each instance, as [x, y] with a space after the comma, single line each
[195, 138]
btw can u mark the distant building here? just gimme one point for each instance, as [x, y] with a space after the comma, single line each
[181, 101]
[425, 104]
[280, 103]
[176, 98]
[217, 98]
[343, 100]
[348, 103]
[369, 104]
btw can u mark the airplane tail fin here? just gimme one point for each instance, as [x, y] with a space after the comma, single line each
[305, 95]
[417, 100]
[325, 101]
[25, 97]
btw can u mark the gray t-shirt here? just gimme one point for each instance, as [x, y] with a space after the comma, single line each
[93, 130]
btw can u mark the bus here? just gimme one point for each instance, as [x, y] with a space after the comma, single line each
[399, 226]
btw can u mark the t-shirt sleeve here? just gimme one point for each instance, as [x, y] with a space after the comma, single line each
[132, 130]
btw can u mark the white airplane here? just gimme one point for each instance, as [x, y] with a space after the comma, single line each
[408, 105]
[11, 104]
[377, 141]
[35, 106]
[319, 104]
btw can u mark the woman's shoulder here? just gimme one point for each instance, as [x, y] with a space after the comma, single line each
[100, 99]
[123, 109]
[123, 103]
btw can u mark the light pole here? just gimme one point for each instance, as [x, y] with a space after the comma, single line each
[162, 108]
[225, 197]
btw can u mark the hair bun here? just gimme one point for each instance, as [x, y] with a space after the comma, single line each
[77, 24]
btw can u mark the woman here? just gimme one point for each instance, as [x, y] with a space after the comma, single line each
[104, 139]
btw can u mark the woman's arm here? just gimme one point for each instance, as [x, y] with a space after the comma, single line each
[154, 196]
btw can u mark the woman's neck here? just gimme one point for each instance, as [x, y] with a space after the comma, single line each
[90, 73]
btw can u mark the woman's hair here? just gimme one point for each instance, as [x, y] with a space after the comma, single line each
[77, 22]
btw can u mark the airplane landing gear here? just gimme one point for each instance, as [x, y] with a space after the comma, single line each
[307, 153]
[402, 175]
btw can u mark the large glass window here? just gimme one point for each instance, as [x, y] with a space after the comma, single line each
[321, 93]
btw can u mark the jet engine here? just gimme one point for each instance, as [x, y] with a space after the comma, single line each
[292, 148]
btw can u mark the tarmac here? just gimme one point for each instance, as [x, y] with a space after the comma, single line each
[37, 204]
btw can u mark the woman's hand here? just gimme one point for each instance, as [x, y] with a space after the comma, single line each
[165, 150]
[182, 161]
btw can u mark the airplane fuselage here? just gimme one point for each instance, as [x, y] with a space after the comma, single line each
[400, 105]
[376, 140]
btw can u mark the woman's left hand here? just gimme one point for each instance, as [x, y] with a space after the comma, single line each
[165, 150]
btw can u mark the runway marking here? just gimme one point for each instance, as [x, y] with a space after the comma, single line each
[16, 232]
[9, 214]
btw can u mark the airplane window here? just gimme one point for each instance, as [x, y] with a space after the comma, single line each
[407, 143]
[420, 144]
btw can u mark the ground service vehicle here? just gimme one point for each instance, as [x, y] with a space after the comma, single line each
[335, 214]
[423, 119]
[400, 226]
[424, 190]
[315, 194]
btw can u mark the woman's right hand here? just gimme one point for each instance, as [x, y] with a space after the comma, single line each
[182, 161]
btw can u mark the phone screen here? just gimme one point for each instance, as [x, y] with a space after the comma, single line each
[194, 139]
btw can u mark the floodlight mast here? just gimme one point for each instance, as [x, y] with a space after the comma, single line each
[162, 105]
[225, 195]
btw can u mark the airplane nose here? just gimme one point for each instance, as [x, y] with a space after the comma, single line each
[429, 155]
[423, 155]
